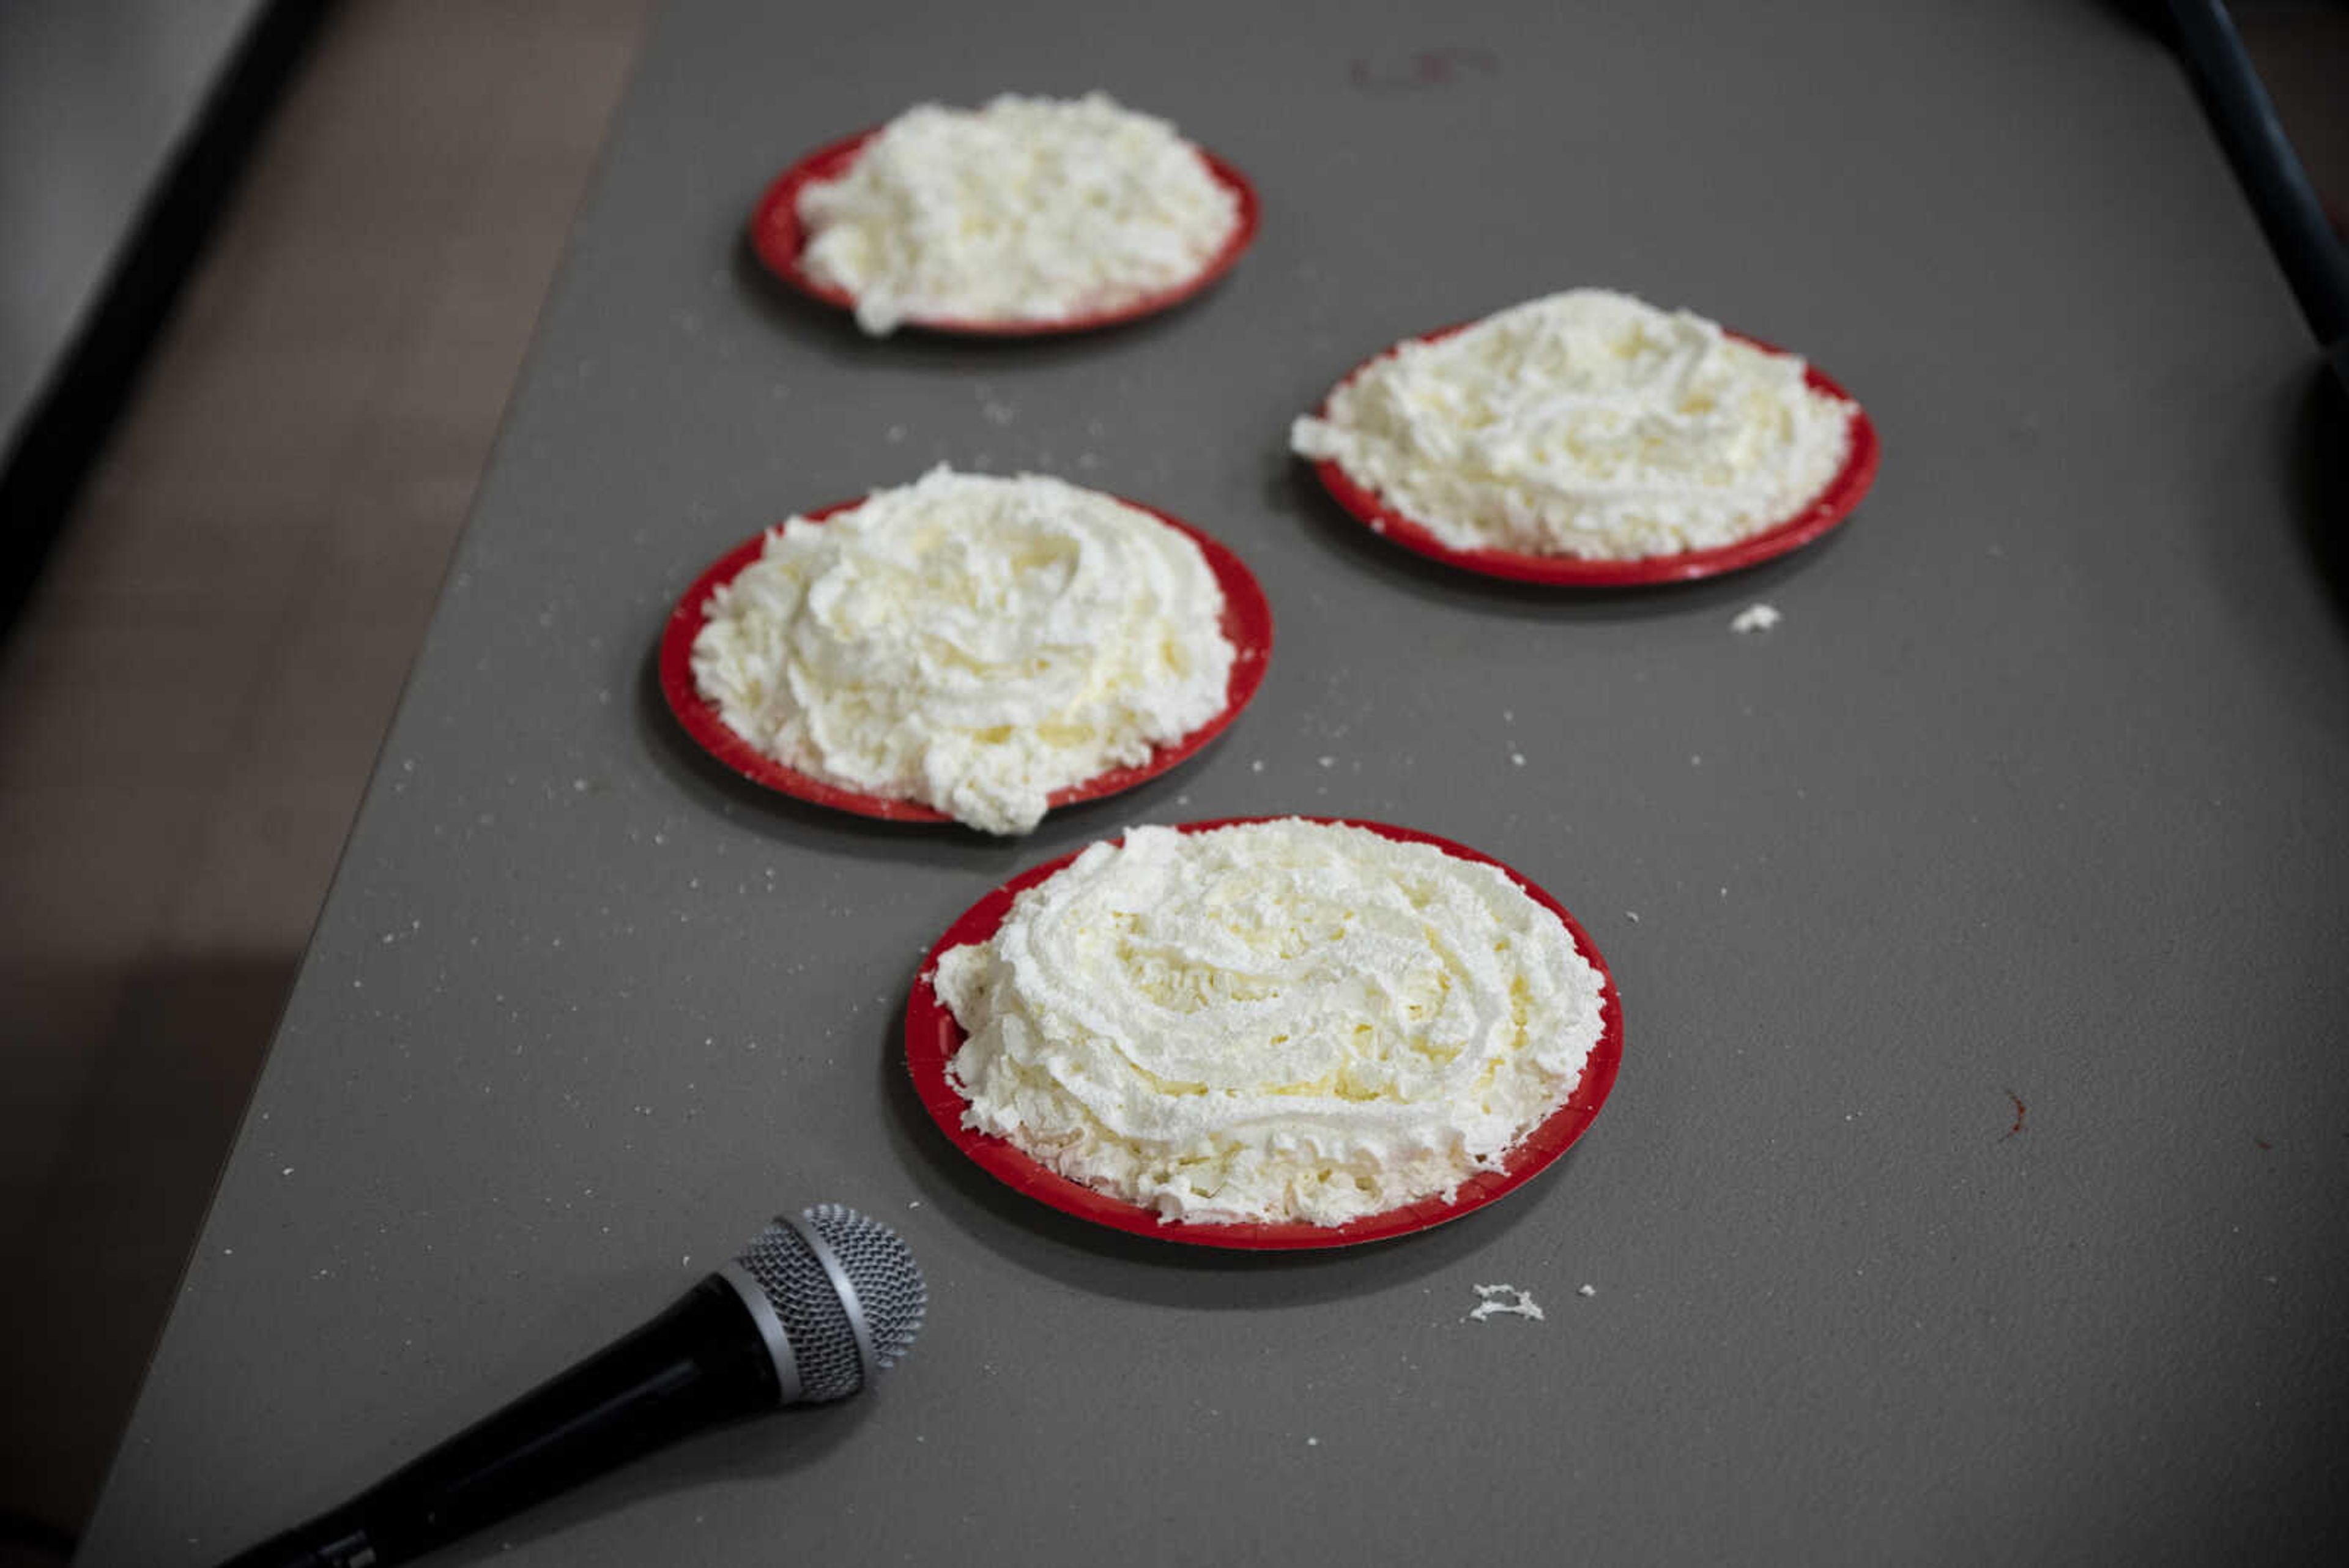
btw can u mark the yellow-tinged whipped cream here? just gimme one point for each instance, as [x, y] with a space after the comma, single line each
[1587, 423]
[1029, 209]
[1276, 1020]
[972, 643]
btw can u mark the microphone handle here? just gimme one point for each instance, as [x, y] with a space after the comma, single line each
[703, 1361]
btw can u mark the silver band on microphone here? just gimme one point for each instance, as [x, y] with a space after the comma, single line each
[770, 1329]
[850, 1303]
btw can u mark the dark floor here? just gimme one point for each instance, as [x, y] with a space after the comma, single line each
[194, 701]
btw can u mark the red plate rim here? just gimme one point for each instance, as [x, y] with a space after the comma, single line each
[932, 1037]
[776, 236]
[1246, 623]
[1839, 498]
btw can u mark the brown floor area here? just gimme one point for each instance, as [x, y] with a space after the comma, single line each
[2301, 48]
[192, 701]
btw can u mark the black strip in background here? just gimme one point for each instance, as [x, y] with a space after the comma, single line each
[71, 419]
[35, 1535]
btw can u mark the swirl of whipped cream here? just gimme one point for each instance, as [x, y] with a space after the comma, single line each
[1587, 423]
[1274, 1021]
[1029, 209]
[972, 643]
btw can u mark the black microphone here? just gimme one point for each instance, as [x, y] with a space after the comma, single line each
[811, 1311]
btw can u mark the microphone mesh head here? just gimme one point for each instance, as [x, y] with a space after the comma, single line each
[887, 1282]
[881, 1273]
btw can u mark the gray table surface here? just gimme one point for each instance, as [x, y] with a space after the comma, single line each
[2034, 799]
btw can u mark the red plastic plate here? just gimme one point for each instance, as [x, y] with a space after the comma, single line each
[1246, 623]
[776, 236]
[1829, 507]
[932, 1037]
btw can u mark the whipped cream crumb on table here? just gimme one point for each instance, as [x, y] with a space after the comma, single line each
[1504, 1301]
[1030, 209]
[1270, 1021]
[970, 642]
[1587, 424]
